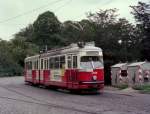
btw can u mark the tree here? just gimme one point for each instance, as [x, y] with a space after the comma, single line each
[47, 30]
[26, 33]
[118, 38]
[78, 31]
[108, 31]
[141, 13]
[8, 67]
[20, 49]
[70, 32]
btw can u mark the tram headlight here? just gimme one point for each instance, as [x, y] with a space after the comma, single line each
[94, 78]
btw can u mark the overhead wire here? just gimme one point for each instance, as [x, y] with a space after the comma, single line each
[30, 11]
[85, 13]
[36, 9]
[41, 7]
[62, 6]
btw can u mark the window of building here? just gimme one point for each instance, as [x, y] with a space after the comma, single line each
[124, 73]
[146, 79]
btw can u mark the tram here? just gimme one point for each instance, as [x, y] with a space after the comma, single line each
[74, 67]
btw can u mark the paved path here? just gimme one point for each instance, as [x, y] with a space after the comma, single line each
[18, 98]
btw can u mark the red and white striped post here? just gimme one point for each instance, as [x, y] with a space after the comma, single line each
[147, 74]
[140, 74]
[127, 76]
[120, 77]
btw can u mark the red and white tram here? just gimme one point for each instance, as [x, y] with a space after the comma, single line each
[74, 67]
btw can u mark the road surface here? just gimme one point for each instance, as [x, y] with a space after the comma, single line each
[18, 98]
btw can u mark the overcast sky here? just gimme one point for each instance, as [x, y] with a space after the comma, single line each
[17, 14]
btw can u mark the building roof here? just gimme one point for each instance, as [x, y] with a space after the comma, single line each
[146, 66]
[118, 65]
[136, 64]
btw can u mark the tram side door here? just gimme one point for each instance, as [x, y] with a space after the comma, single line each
[41, 71]
[36, 68]
[71, 72]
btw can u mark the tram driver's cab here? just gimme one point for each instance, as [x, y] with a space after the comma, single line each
[86, 67]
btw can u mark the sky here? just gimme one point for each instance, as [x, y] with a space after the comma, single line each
[17, 14]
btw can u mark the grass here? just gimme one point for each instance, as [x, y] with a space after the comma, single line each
[124, 86]
[142, 88]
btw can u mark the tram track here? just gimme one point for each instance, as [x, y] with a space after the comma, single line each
[50, 105]
[27, 96]
[17, 98]
[41, 102]
[75, 102]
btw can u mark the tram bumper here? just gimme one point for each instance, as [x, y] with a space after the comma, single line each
[91, 85]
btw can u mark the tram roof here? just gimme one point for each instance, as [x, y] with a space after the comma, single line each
[85, 48]
[75, 47]
[90, 46]
[32, 57]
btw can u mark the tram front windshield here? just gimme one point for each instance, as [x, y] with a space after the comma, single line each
[91, 62]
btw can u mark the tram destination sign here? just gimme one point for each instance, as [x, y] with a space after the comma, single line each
[92, 53]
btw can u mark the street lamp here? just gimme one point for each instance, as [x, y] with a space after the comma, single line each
[125, 47]
[120, 42]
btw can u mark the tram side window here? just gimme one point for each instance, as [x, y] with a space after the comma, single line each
[69, 62]
[37, 63]
[45, 63]
[51, 63]
[56, 65]
[34, 65]
[41, 63]
[29, 65]
[62, 61]
[26, 65]
[74, 61]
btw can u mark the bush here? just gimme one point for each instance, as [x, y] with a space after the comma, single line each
[142, 88]
[124, 86]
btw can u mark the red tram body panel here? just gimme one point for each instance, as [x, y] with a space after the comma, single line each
[72, 67]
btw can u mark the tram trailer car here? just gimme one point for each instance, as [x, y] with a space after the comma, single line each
[75, 67]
